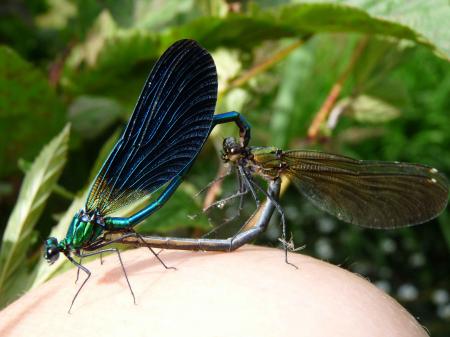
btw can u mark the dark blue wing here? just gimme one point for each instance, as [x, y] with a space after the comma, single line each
[169, 125]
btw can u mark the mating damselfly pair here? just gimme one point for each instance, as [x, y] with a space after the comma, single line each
[173, 118]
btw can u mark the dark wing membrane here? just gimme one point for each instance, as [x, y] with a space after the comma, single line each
[369, 193]
[169, 125]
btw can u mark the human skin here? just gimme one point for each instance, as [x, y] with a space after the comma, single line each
[249, 292]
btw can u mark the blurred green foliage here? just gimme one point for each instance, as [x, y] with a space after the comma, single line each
[84, 62]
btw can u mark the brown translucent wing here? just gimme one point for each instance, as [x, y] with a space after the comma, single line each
[368, 193]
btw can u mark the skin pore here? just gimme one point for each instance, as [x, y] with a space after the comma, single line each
[249, 292]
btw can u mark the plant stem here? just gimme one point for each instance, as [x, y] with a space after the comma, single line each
[335, 91]
[63, 192]
[261, 67]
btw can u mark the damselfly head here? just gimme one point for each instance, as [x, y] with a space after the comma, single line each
[232, 150]
[51, 250]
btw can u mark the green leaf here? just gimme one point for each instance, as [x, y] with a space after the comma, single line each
[427, 18]
[107, 53]
[312, 17]
[90, 115]
[108, 62]
[286, 102]
[35, 190]
[28, 105]
[153, 15]
[370, 110]
[87, 52]
[419, 21]
[58, 15]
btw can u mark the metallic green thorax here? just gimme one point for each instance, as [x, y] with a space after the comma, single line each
[266, 155]
[81, 232]
[266, 161]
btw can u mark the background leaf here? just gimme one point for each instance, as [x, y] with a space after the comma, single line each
[35, 190]
[120, 50]
[367, 109]
[25, 94]
[91, 116]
